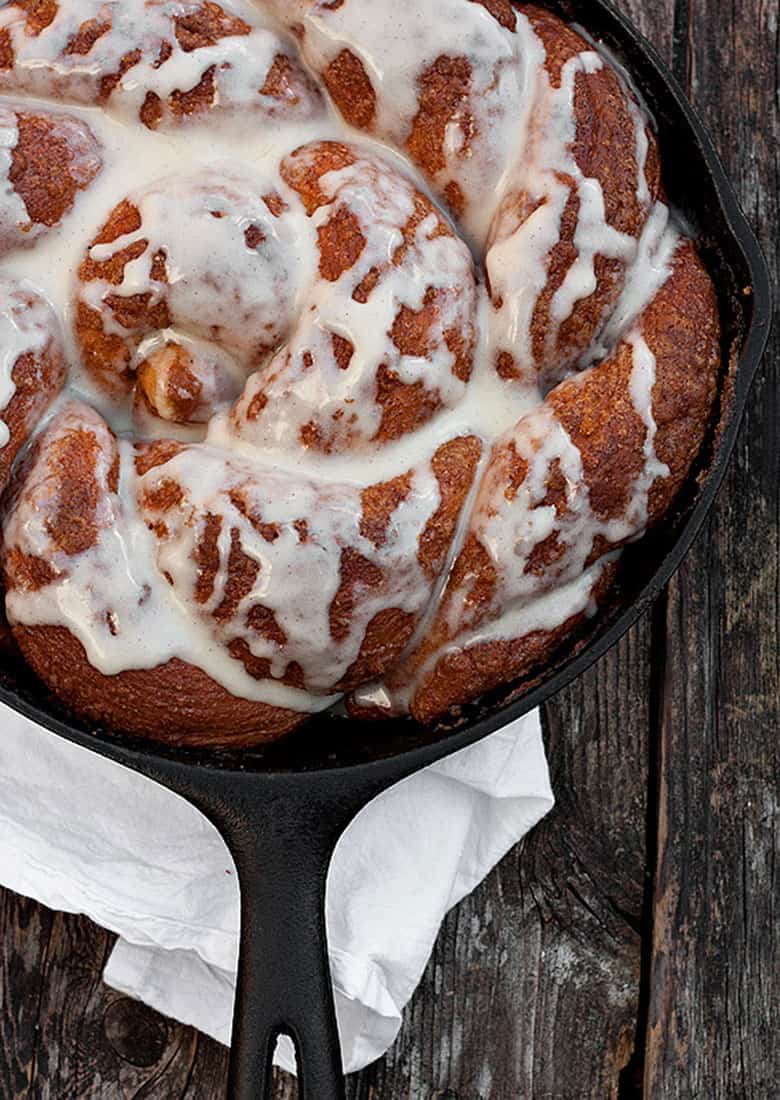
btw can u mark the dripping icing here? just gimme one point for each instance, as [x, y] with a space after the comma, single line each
[487, 407]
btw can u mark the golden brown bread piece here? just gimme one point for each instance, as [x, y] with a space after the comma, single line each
[79, 50]
[111, 325]
[599, 462]
[372, 68]
[216, 550]
[175, 702]
[681, 327]
[183, 386]
[52, 158]
[70, 491]
[363, 271]
[355, 258]
[604, 150]
[32, 368]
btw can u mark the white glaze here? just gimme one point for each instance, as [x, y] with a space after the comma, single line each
[234, 163]
[13, 212]
[27, 326]
[645, 277]
[518, 256]
[215, 280]
[241, 61]
[342, 403]
[298, 577]
[398, 42]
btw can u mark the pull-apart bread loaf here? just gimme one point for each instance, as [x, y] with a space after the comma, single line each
[342, 349]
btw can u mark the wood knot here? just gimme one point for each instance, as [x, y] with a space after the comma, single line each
[135, 1032]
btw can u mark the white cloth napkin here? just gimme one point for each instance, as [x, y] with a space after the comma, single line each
[82, 834]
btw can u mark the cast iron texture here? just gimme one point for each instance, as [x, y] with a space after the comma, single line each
[281, 810]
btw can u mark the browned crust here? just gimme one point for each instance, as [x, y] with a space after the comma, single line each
[197, 28]
[175, 702]
[62, 471]
[463, 675]
[502, 11]
[304, 169]
[7, 58]
[55, 157]
[7, 643]
[443, 95]
[605, 149]
[206, 25]
[341, 242]
[681, 328]
[38, 378]
[106, 354]
[351, 89]
[454, 466]
[46, 170]
[39, 14]
[174, 369]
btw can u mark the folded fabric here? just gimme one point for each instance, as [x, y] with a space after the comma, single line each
[82, 834]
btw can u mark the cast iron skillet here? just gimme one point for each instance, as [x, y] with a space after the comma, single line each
[281, 810]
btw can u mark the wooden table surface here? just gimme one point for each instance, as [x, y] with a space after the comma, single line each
[629, 948]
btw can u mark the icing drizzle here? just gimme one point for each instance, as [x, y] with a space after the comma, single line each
[250, 305]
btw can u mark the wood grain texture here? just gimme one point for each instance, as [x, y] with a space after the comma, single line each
[629, 947]
[545, 957]
[715, 978]
[66, 1036]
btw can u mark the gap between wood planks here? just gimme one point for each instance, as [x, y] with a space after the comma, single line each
[631, 1084]
[631, 1081]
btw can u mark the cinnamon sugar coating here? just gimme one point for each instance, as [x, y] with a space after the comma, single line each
[50, 159]
[165, 62]
[32, 363]
[565, 489]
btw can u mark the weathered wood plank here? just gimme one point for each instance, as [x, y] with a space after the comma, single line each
[545, 957]
[26, 931]
[63, 1034]
[715, 979]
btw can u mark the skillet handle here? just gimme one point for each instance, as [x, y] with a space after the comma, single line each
[284, 983]
[282, 831]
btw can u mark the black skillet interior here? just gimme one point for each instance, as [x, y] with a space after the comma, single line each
[699, 190]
